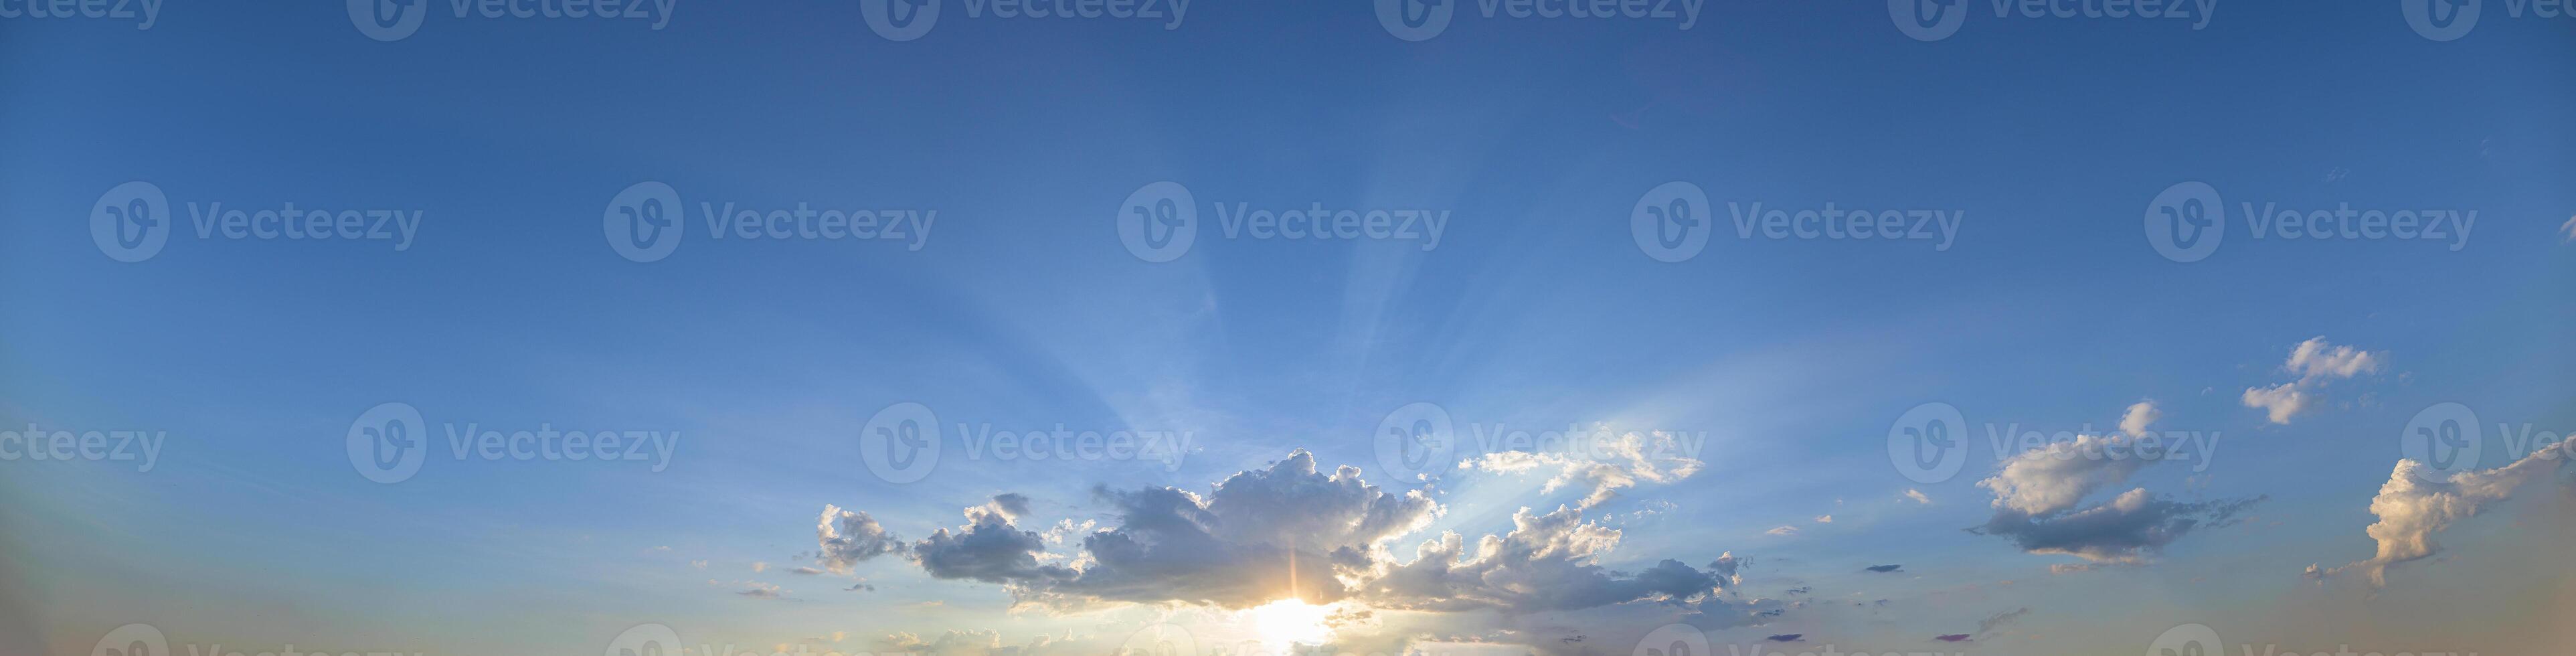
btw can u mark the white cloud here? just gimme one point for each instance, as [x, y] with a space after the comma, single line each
[1824, 519]
[1782, 530]
[1608, 465]
[1918, 497]
[2412, 506]
[2313, 363]
[2134, 422]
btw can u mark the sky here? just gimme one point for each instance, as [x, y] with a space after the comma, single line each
[1468, 328]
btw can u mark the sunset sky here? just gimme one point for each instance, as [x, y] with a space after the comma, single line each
[1529, 398]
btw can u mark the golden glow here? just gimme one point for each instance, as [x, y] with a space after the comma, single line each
[1290, 622]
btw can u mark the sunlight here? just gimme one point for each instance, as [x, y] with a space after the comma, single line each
[1289, 622]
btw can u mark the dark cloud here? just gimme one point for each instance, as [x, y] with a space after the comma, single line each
[1951, 637]
[849, 538]
[989, 549]
[1883, 569]
[1786, 637]
[2127, 529]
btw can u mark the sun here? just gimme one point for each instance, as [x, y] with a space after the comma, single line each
[1290, 622]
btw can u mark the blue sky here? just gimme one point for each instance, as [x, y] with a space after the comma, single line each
[1774, 368]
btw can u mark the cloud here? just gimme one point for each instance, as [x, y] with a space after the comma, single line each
[1609, 464]
[2127, 529]
[1987, 626]
[1918, 497]
[848, 538]
[1782, 530]
[808, 571]
[2056, 477]
[2568, 229]
[2413, 505]
[1951, 637]
[1289, 529]
[761, 591]
[2312, 363]
[1546, 562]
[1824, 519]
[758, 567]
[2134, 422]
[1786, 637]
[1883, 569]
[989, 548]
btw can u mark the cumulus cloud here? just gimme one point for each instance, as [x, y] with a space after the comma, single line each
[2312, 363]
[2038, 494]
[1608, 464]
[2127, 529]
[2133, 423]
[2055, 478]
[849, 537]
[1546, 562]
[2416, 503]
[1288, 530]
